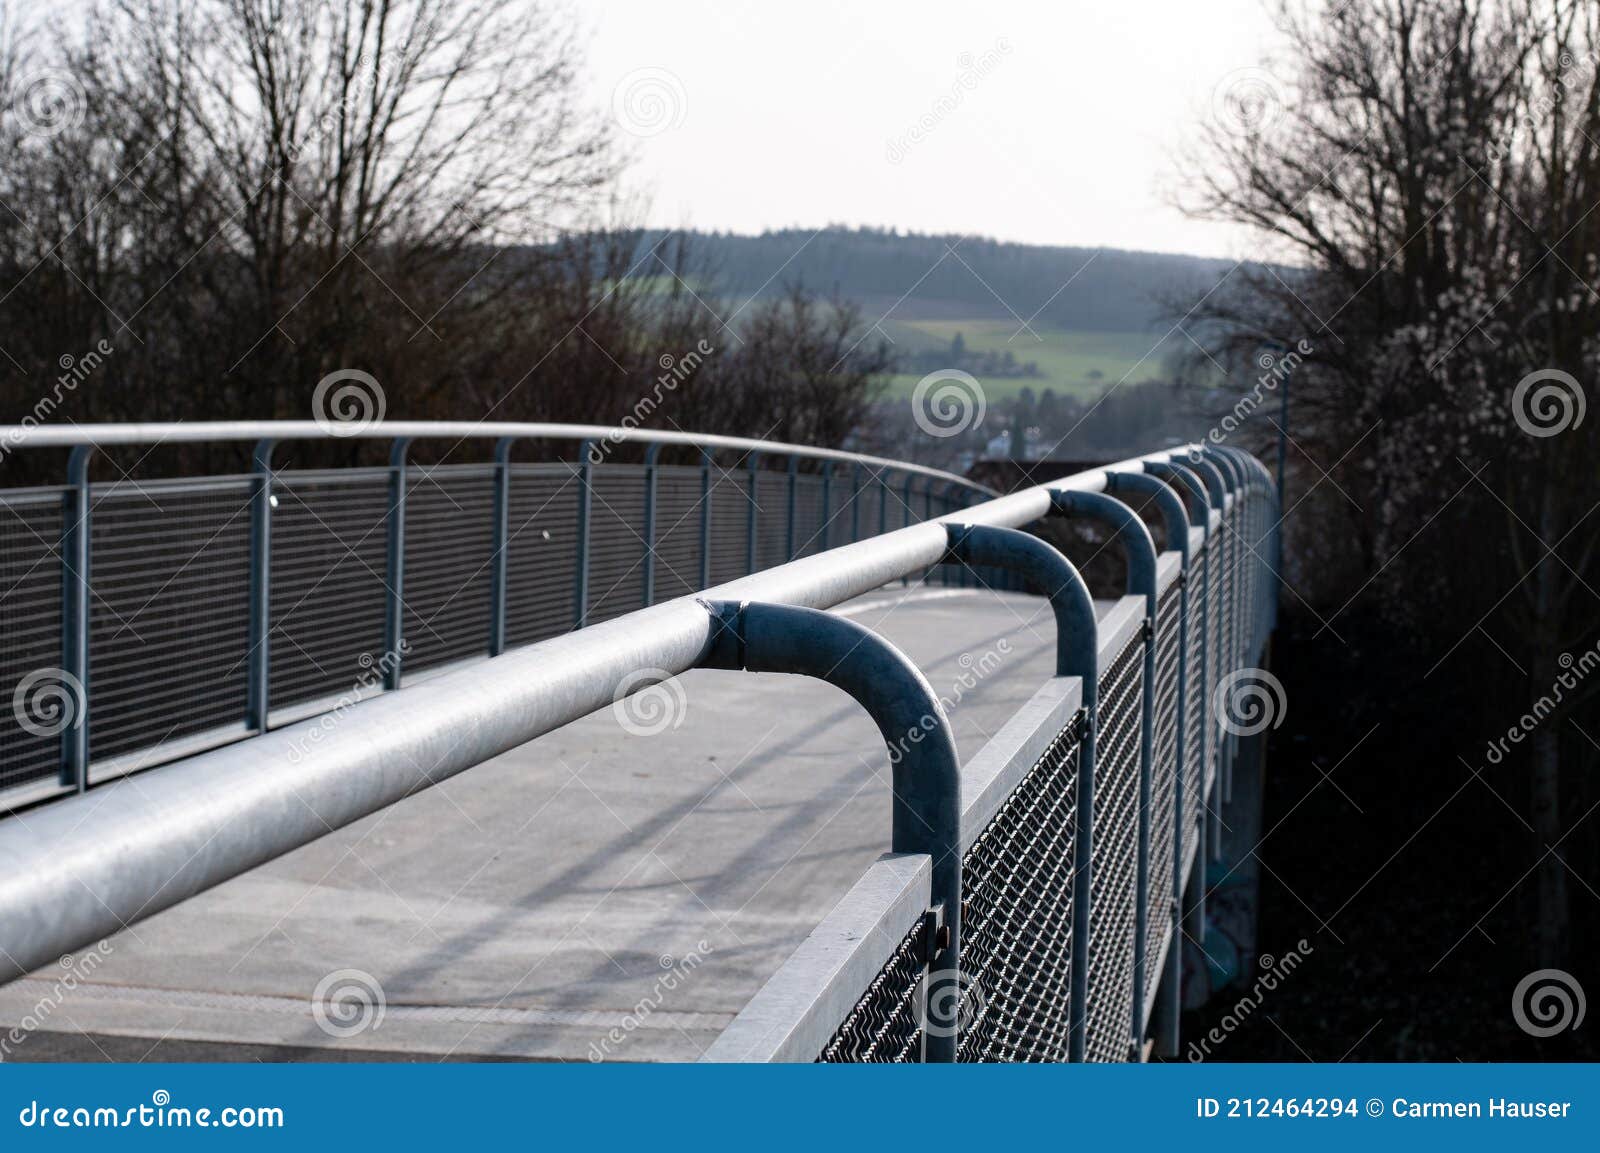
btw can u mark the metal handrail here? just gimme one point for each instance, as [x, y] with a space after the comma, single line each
[196, 432]
[195, 824]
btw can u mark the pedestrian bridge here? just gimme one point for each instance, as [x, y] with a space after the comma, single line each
[967, 828]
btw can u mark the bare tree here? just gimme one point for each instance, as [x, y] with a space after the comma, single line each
[1432, 167]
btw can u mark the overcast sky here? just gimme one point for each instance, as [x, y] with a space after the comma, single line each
[1044, 121]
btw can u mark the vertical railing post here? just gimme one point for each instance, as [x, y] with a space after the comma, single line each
[500, 545]
[395, 567]
[855, 503]
[752, 525]
[258, 697]
[650, 514]
[905, 498]
[825, 529]
[705, 519]
[75, 578]
[794, 480]
[580, 578]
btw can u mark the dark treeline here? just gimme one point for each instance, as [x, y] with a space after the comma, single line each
[1078, 288]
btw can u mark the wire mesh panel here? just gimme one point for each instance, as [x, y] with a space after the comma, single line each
[329, 592]
[1215, 562]
[541, 551]
[885, 1025]
[808, 514]
[772, 519]
[169, 614]
[677, 564]
[449, 538]
[730, 522]
[1016, 933]
[616, 541]
[1113, 900]
[1163, 771]
[1223, 638]
[30, 636]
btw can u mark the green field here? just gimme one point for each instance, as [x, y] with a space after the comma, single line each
[1078, 364]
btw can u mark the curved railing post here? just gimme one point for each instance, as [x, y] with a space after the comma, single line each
[1139, 552]
[1077, 655]
[1175, 517]
[500, 545]
[760, 637]
[650, 515]
[395, 564]
[76, 509]
[580, 572]
[1193, 492]
[258, 694]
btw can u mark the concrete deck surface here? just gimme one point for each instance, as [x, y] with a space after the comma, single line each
[591, 880]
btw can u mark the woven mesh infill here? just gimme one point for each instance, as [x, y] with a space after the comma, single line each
[1112, 906]
[1198, 740]
[1016, 932]
[1163, 773]
[886, 1024]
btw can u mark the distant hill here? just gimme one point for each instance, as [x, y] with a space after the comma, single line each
[923, 277]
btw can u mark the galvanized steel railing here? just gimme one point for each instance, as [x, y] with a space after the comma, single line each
[160, 618]
[1032, 905]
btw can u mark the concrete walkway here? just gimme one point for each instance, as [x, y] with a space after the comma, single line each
[594, 880]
